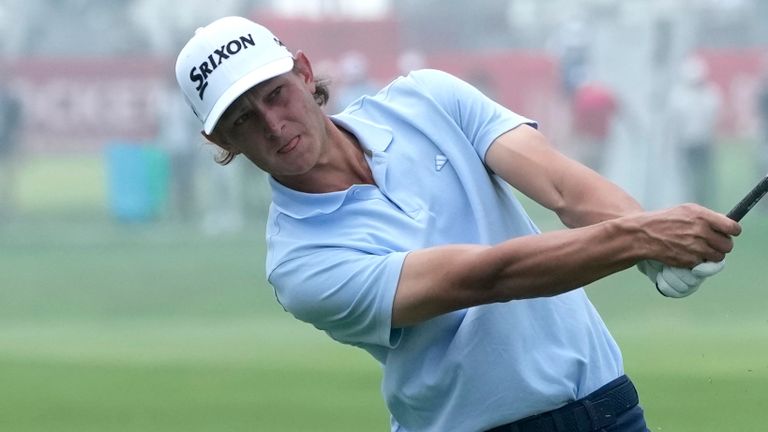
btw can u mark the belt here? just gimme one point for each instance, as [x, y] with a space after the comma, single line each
[594, 412]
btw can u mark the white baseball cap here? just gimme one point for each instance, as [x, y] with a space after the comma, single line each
[223, 60]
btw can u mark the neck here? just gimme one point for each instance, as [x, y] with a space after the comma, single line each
[354, 156]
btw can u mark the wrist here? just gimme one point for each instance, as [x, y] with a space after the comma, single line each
[634, 241]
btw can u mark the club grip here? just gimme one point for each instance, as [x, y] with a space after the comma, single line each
[750, 200]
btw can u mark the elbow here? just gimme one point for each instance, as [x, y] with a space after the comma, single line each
[568, 219]
[488, 281]
[475, 279]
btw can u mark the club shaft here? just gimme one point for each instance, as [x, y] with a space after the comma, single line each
[749, 200]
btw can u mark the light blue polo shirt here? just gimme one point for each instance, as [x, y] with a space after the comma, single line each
[334, 260]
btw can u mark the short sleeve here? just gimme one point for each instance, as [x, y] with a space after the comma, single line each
[480, 118]
[345, 292]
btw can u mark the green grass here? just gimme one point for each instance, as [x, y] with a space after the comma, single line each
[158, 327]
[702, 379]
[172, 375]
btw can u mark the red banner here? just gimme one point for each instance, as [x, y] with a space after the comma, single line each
[79, 104]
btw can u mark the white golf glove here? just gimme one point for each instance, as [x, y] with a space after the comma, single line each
[678, 282]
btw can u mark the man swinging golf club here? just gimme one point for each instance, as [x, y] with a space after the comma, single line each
[393, 229]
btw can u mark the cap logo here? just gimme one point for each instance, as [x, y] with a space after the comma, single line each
[199, 74]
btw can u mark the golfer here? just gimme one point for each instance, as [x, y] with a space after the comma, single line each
[393, 228]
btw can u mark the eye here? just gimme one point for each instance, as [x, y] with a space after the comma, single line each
[274, 94]
[242, 118]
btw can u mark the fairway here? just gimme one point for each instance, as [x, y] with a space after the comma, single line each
[159, 327]
[167, 375]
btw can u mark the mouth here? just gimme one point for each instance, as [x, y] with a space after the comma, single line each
[290, 145]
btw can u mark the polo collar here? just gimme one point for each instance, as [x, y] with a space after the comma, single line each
[372, 136]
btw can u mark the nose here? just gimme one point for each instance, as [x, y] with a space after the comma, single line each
[273, 124]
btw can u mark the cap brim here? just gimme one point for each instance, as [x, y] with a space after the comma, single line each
[234, 91]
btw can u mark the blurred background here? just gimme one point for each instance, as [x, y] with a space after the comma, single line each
[132, 287]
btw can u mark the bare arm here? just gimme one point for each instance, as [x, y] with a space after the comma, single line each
[614, 234]
[442, 279]
[579, 196]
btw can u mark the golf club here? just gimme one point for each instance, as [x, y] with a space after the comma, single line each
[749, 200]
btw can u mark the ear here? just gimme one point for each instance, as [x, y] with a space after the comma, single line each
[303, 67]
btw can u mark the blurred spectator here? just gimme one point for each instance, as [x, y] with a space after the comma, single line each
[10, 122]
[762, 117]
[761, 148]
[179, 135]
[355, 80]
[594, 109]
[571, 46]
[223, 198]
[694, 108]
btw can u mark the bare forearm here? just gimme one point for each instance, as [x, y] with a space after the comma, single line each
[439, 280]
[559, 261]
